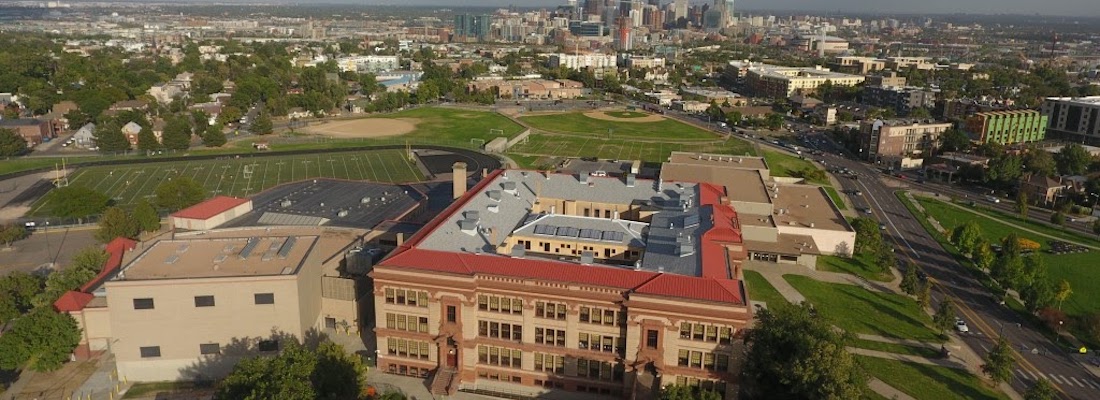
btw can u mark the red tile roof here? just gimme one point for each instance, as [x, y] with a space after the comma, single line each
[72, 301]
[210, 208]
[714, 285]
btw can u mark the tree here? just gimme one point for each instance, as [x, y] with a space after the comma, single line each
[178, 193]
[924, 294]
[213, 136]
[954, 140]
[12, 233]
[11, 144]
[1057, 218]
[999, 362]
[793, 351]
[984, 257]
[1004, 169]
[77, 202]
[1041, 390]
[685, 392]
[1062, 293]
[910, 281]
[967, 237]
[116, 222]
[868, 235]
[296, 373]
[1040, 162]
[1073, 159]
[85, 265]
[1021, 204]
[109, 138]
[146, 216]
[262, 126]
[177, 133]
[147, 141]
[945, 315]
[17, 292]
[41, 341]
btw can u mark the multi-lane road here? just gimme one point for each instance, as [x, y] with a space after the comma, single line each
[1037, 357]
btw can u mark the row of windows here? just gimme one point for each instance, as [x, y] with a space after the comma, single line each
[399, 369]
[203, 301]
[499, 330]
[507, 305]
[705, 385]
[408, 348]
[551, 363]
[497, 376]
[707, 361]
[499, 356]
[550, 337]
[605, 343]
[545, 309]
[408, 323]
[599, 370]
[208, 348]
[408, 297]
[706, 332]
[601, 316]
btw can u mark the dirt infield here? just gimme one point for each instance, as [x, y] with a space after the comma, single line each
[365, 128]
[603, 116]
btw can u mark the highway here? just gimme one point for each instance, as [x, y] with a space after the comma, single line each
[1037, 357]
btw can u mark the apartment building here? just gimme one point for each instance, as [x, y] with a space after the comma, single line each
[190, 307]
[857, 65]
[369, 63]
[1074, 118]
[535, 282]
[582, 61]
[903, 100]
[531, 89]
[776, 81]
[890, 78]
[1007, 127]
[892, 140]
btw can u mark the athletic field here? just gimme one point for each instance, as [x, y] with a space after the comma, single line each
[243, 176]
[562, 146]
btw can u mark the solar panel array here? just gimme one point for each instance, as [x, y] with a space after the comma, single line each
[571, 232]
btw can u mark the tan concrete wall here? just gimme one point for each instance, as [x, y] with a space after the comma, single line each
[759, 233]
[178, 327]
[96, 323]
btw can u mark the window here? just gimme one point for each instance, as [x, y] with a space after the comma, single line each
[550, 363]
[605, 343]
[598, 370]
[210, 348]
[268, 345]
[408, 323]
[408, 348]
[499, 356]
[550, 310]
[150, 351]
[651, 338]
[498, 330]
[265, 298]
[706, 333]
[550, 337]
[204, 301]
[409, 297]
[499, 304]
[600, 316]
[701, 360]
[452, 316]
[143, 304]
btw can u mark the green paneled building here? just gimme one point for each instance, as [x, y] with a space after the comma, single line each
[1007, 127]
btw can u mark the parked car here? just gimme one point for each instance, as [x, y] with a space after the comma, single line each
[960, 326]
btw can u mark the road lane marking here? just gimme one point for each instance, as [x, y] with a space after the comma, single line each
[1076, 381]
[1089, 382]
[889, 220]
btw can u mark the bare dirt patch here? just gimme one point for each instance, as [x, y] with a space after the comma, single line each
[600, 115]
[365, 127]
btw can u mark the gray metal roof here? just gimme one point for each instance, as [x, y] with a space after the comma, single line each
[673, 239]
[588, 229]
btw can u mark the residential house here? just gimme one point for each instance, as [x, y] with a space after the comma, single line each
[166, 93]
[298, 113]
[129, 105]
[85, 136]
[33, 130]
[131, 131]
[1041, 189]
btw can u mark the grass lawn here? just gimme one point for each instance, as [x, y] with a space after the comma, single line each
[760, 290]
[839, 201]
[928, 381]
[859, 266]
[578, 123]
[859, 310]
[126, 185]
[453, 124]
[895, 348]
[1078, 269]
[783, 164]
[626, 114]
[621, 149]
[145, 389]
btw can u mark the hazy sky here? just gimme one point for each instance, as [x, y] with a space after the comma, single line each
[1047, 7]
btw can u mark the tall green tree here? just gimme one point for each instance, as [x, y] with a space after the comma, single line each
[685, 392]
[213, 136]
[147, 141]
[954, 140]
[262, 125]
[109, 138]
[868, 235]
[12, 233]
[1062, 293]
[84, 266]
[146, 216]
[1040, 162]
[177, 133]
[794, 352]
[945, 315]
[984, 257]
[178, 193]
[1041, 390]
[296, 373]
[999, 362]
[967, 237]
[910, 281]
[116, 222]
[1073, 159]
[1057, 218]
[17, 293]
[924, 294]
[77, 202]
[11, 144]
[40, 341]
[1022, 204]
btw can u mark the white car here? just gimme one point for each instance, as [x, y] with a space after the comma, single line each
[992, 199]
[960, 326]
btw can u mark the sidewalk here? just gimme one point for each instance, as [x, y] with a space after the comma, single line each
[887, 391]
[1011, 224]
